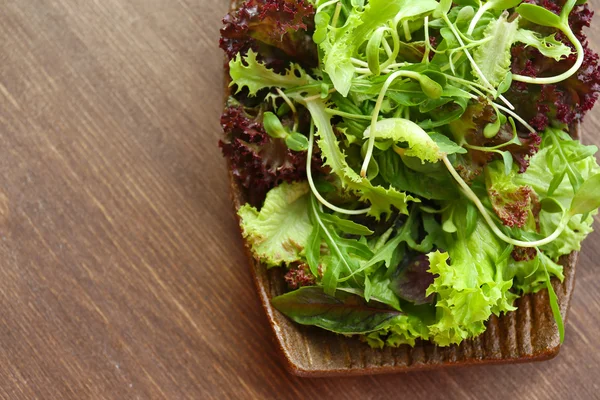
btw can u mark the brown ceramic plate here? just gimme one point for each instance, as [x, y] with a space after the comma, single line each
[528, 334]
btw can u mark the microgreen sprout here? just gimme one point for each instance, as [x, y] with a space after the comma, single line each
[541, 16]
[347, 115]
[325, 5]
[473, 63]
[428, 47]
[407, 34]
[336, 15]
[491, 5]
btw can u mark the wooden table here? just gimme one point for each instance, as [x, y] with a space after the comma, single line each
[122, 273]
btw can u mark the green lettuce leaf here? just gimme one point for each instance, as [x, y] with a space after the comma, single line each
[403, 329]
[530, 276]
[338, 48]
[469, 288]
[339, 45]
[412, 8]
[547, 161]
[570, 239]
[279, 232]
[433, 186]
[420, 145]
[376, 287]
[493, 57]
[548, 46]
[248, 72]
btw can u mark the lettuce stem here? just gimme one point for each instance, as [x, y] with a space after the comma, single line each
[406, 28]
[347, 115]
[336, 15]
[469, 84]
[358, 62]
[387, 48]
[327, 4]
[428, 47]
[477, 17]
[392, 57]
[516, 116]
[290, 103]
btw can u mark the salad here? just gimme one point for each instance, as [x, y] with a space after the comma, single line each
[413, 165]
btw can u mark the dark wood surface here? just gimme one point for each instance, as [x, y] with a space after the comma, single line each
[122, 274]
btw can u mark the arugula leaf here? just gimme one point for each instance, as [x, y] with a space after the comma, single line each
[376, 288]
[345, 254]
[555, 307]
[446, 145]
[346, 225]
[279, 232]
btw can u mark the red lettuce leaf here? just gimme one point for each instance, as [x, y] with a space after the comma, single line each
[470, 129]
[566, 102]
[513, 207]
[412, 279]
[258, 161]
[299, 276]
[345, 313]
[524, 253]
[278, 30]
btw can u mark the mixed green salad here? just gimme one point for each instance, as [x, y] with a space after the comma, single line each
[411, 163]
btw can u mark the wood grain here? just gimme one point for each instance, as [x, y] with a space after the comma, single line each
[122, 272]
